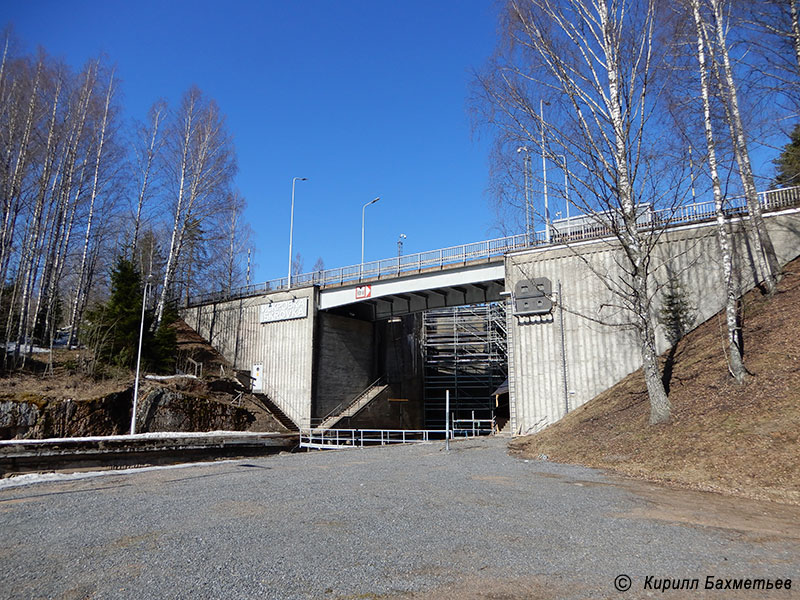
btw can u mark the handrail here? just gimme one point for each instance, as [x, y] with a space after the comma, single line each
[358, 438]
[563, 230]
[345, 404]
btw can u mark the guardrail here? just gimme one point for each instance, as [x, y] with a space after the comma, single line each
[331, 439]
[563, 231]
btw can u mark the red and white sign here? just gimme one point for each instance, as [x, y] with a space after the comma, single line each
[363, 291]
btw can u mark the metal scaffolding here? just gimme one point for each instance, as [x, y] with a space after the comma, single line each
[464, 350]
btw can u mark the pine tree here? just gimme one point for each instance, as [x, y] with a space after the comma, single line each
[788, 163]
[118, 321]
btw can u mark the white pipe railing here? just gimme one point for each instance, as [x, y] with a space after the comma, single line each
[358, 438]
[577, 228]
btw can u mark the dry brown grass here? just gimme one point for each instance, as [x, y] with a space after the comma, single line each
[723, 437]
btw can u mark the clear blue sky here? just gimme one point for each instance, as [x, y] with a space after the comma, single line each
[365, 98]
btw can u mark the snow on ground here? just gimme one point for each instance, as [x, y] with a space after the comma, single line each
[156, 435]
[33, 478]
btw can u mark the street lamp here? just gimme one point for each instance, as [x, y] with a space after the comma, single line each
[544, 175]
[563, 158]
[526, 168]
[139, 360]
[291, 231]
[363, 211]
[400, 244]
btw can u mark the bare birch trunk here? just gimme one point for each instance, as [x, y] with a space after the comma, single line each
[761, 239]
[659, 402]
[178, 225]
[80, 292]
[736, 362]
[795, 13]
[31, 250]
[12, 200]
[156, 116]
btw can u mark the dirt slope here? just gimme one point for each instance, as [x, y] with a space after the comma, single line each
[740, 440]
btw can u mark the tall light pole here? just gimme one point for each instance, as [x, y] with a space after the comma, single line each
[563, 157]
[400, 244]
[544, 175]
[291, 230]
[139, 360]
[526, 167]
[363, 212]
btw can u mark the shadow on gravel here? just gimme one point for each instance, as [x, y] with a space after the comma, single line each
[90, 490]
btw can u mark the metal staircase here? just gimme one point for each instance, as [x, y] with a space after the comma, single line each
[276, 412]
[353, 407]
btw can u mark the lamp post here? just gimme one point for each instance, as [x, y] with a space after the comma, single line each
[526, 168]
[400, 244]
[363, 212]
[139, 360]
[563, 158]
[544, 175]
[291, 231]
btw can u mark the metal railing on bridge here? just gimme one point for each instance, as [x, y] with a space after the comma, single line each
[577, 228]
[324, 439]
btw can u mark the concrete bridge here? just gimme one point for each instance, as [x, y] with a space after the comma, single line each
[321, 344]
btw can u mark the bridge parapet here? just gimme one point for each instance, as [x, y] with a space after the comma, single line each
[576, 228]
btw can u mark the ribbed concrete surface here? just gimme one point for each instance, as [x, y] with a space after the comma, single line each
[598, 349]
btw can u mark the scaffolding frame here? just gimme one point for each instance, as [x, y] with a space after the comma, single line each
[464, 351]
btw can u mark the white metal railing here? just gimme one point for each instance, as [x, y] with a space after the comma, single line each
[577, 228]
[472, 427]
[358, 438]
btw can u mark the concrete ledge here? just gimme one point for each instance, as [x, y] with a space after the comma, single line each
[25, 456]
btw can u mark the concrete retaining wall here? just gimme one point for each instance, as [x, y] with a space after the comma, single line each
[597, 350]
[284, 347]
[345, 361]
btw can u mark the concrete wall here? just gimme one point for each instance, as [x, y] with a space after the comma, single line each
[345, 361]
[285, 348]
[597, 351]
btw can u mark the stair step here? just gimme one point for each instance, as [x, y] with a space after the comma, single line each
[277, 412]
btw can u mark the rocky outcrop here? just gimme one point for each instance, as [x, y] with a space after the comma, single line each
[39, 417]
[164, 409]
[160, 409]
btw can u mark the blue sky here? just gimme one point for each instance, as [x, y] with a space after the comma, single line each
[364, 98]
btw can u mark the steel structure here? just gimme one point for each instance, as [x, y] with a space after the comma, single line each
[464, 351]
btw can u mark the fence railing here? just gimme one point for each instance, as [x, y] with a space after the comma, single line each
[582, 227]
[322, 439]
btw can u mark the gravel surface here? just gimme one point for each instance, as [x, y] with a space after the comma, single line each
[393, 522]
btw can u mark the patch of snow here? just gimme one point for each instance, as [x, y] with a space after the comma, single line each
[156, 435]
[168, 377]
[33, 478]
[25, 348]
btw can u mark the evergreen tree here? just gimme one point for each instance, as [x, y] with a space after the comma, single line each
[123, 314]
[676, 313]
[161, 348]
[788, 163]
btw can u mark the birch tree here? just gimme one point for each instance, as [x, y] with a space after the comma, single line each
[149, 143]
[85, 271]
[736, 362]
[762, 242]
[595, 63]
[200, 163]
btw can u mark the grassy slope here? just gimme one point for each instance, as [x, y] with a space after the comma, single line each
[742, 440]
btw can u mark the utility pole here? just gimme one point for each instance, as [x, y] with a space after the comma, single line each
[544, 174]
[291, 231]
[526, 167]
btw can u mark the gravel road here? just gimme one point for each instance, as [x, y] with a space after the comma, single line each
[392, 522]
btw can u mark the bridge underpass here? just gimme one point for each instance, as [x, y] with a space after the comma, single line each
[320, 345]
